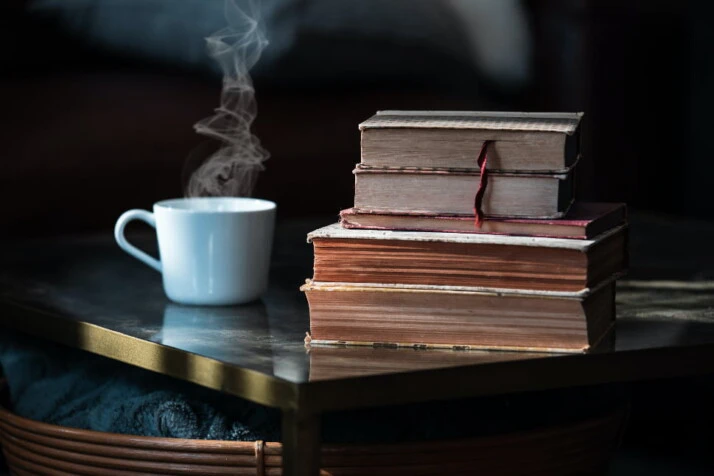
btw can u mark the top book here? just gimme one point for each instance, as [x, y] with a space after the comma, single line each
[521, 141]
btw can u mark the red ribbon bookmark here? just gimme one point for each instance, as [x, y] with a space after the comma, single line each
[482, 161]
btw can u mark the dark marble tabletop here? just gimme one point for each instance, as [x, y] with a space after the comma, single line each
[665, 303]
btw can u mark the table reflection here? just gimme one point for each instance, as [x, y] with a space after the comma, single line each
[239, 334]
[333, 362]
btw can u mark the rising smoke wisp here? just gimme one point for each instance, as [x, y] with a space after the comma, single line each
[233, 169]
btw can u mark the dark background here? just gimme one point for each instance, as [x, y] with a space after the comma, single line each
[89, 131]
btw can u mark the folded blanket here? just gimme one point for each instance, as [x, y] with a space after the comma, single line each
[58, 385]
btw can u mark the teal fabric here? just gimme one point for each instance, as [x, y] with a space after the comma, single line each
[62, 386]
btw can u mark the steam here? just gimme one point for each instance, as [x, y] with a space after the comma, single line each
[233, 169]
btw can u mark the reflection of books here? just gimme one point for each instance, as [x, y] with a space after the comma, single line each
[471, 260]
[329, 362]
[583, 221]
[443, 316]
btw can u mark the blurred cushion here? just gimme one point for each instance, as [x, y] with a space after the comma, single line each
[314, 42]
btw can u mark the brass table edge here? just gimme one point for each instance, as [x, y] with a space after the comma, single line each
[207, 372]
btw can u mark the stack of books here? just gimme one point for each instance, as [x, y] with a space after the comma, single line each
[464, 234]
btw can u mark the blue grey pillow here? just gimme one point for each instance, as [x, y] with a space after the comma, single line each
[314, 41]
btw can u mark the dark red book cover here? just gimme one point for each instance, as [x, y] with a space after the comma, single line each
[584, 220]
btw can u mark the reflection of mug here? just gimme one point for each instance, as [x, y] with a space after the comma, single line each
[206, 331]
[214, 251]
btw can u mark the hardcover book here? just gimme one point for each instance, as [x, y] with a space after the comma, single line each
[583, 221]
[470, 260]
[518, 141]
[452, 192]
[422, 317]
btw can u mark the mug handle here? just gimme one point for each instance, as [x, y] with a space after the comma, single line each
[126, 217]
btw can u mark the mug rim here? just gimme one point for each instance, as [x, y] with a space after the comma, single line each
[171, 205]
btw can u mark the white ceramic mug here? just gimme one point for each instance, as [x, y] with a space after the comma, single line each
[213, 250]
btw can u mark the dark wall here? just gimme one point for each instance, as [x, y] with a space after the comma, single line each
[641, 71]
[649, 93]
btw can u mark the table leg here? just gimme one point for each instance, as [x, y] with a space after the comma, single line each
[301, 444]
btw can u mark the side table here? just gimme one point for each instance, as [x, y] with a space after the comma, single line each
[85, 293]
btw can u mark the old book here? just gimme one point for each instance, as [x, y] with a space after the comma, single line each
[536, 142]
[360, 314]
[471, 260]
[452, 192]
[583, 221]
